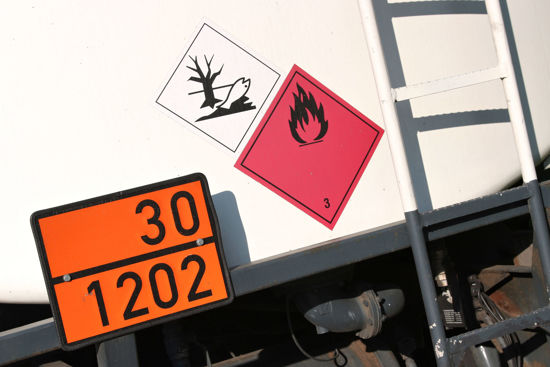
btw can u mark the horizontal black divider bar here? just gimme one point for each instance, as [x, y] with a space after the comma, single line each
[131, 260]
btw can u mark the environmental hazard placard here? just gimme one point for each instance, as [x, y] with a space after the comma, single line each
[311, 147]
[218, 88]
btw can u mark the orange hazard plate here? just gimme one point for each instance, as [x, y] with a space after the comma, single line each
[132, 259]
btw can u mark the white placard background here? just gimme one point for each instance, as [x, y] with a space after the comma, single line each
[235, 63]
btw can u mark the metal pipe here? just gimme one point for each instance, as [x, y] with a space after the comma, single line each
[427, 287]
[515, 269]
[536, 206]
[387, 104]
[540, 230]
[399, 158]
[511, 91]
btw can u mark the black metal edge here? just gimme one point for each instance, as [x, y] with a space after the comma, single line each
[475, 206]
[480, 212]
[113, 197]
[325, 256]
[437, 7]
[476, 213]
[119, 352]
[545, 190]
[466, 224]
[27, 341]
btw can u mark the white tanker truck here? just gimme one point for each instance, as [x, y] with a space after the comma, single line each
[334, 138]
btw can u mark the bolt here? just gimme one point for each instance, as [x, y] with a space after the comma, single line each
[200, 242]
[66, 278]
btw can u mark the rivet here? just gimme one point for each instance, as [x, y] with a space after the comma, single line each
[66, 278]
[200, 242]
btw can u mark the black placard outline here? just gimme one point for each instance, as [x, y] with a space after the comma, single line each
[196, 127]
[50, 281]
[355, 177]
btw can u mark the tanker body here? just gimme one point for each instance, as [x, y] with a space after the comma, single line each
[83, 115]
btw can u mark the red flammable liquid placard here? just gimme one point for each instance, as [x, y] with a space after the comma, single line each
[311, 147]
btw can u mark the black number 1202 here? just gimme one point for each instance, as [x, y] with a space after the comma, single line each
[129, 311]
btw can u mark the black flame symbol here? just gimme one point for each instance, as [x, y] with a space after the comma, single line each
[310, 119]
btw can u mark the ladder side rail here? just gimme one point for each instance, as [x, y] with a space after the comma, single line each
[389, 112]
[511, 92]
[399, 158]
[536, 205]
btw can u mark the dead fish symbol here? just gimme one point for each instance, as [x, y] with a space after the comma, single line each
[237, 91]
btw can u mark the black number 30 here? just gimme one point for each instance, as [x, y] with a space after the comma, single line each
[154, 220]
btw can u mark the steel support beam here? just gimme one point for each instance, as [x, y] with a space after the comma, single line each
[427, 288]
[540, 230]
[28, 341]
[118, 352]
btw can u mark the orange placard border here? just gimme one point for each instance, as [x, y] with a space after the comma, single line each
[35, 217]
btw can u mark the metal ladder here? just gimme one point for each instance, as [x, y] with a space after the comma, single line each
[449, 351]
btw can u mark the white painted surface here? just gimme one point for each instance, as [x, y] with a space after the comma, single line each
[78, 117]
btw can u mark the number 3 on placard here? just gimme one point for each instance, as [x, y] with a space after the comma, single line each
[154, 220]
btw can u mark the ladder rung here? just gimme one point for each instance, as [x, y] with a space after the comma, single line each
[432, 7]
[433, 1]
[539, 317]
[446, 84]
[475, 206]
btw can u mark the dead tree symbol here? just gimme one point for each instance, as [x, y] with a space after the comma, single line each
[206, 80]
